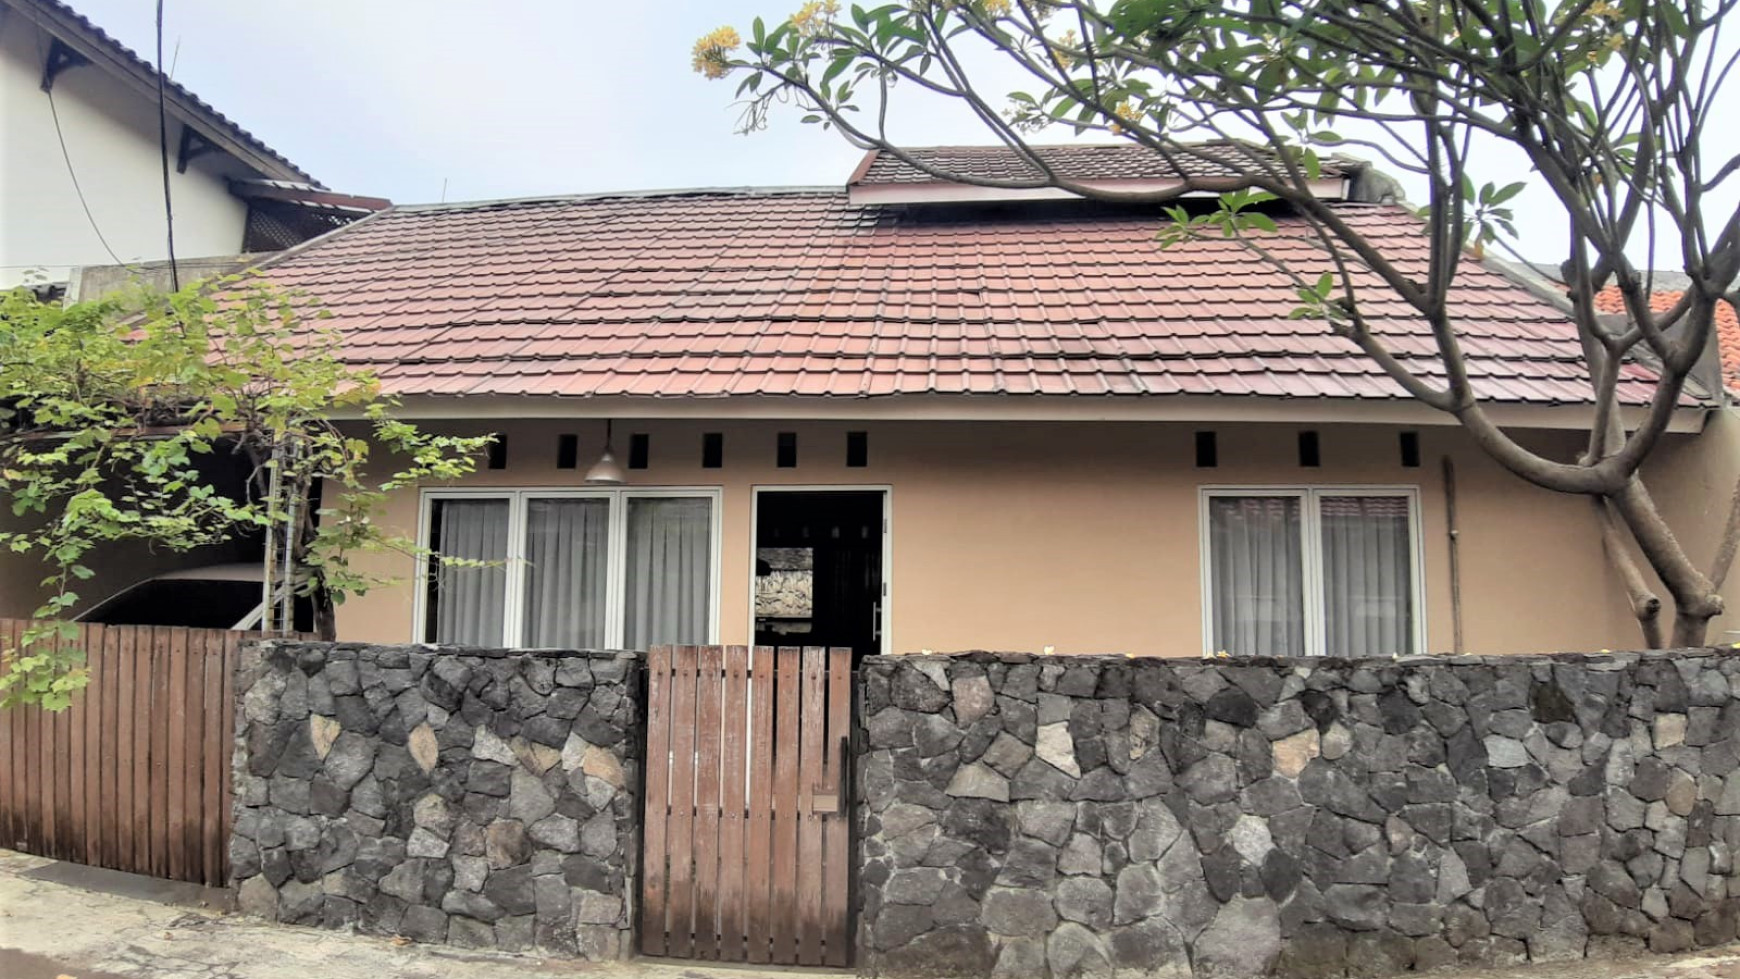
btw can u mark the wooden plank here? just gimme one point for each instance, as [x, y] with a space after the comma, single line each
[656, 804]
[734, 726]
[231, 660]
[54, 777]
[198, 642]
[680, 836]
[837, 838]
[215, 751]
[11, 755]
[706, 846]
[96, 759]
[144, 654]
[102, 677]
[157, 715]
[812, 757]
[177, 786]
[758, 821]
[787, 701]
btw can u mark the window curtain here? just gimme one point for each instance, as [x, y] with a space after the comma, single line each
[667, 582]
[1257, 571]
[567, 550]
[1367, 576]
[470, 603]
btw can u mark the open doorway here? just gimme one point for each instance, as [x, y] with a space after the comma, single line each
[819, 578]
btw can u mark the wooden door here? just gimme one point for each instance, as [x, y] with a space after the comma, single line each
[747, 839]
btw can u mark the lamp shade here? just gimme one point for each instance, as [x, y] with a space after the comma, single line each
[606, 472]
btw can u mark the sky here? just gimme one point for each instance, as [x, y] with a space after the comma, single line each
[428, 100]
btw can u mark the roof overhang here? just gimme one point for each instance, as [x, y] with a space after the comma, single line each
[100, 52]
[949, 192]
[938, 408]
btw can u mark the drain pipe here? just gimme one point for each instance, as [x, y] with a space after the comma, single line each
[1455, 534]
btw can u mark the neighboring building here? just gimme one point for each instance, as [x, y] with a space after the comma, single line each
[947, 418]
[81, 172]
[1669, 288]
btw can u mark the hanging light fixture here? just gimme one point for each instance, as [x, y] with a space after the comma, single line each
[605, 472]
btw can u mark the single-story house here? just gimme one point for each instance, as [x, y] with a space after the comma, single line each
[908, 414]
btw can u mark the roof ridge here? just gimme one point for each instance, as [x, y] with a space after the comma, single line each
[794, 190]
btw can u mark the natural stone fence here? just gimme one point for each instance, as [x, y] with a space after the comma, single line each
[1101, 816]
[476, 797]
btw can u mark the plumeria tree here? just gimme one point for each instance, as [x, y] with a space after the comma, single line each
[1608, 104]
[116, 415]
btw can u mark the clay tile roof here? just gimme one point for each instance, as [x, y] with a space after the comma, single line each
[1116, 161]
[803, 294]
[1609, 300]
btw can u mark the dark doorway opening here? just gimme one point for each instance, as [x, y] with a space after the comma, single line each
[818, 569]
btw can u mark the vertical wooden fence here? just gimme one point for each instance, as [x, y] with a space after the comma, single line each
[747, 839]
[135, 775]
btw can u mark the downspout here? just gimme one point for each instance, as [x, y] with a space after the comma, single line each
[1454, 533]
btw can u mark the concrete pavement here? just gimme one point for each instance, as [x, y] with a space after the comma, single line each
[114, 926]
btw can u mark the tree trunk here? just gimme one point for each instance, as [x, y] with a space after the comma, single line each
[1696, 600]
[1645, 604]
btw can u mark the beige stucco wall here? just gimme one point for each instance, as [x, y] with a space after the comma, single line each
[1085, 536]
[1693, 479]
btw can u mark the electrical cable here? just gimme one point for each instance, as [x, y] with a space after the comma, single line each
[66, 156]
[163, 147]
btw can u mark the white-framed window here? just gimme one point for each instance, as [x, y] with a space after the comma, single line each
[1312, 571]
[587, 569]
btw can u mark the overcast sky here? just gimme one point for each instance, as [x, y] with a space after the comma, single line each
[517, 98]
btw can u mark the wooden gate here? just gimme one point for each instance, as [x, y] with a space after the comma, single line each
[135, 775]
[747, 840]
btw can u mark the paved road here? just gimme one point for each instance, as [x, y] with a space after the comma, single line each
[51, 930]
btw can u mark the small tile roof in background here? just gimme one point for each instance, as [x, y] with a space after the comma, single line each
[783, 293]
[1609, 300]
[1116, 161]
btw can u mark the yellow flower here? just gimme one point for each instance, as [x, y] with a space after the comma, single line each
[1126, 111]
[995, 8]
[814, 17]
[713, 52]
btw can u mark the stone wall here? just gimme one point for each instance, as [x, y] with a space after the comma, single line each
[1101, 816]
[474, 797]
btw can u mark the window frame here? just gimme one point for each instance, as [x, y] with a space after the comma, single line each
[518, 570]
[1310, 497]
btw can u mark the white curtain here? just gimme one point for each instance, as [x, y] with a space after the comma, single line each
[470, 603]
[1367, 576]
[667, 583]
[1257, 575]
[567, 545]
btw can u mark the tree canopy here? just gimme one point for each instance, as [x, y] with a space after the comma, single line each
[1607, 104]
[113, 414]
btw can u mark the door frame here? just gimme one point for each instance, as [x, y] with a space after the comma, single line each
[887, 491]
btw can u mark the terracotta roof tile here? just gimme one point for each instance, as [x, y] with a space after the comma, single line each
[1115, 161]
[803, 294]
[1610, 300]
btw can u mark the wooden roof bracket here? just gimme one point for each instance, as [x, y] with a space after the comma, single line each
[60, 58]
[193, 145]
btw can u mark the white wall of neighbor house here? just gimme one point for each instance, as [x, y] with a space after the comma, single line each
[1085, 536]
[111, 140]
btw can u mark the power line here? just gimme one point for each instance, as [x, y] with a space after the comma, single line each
[66, 156]
[163, 147]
